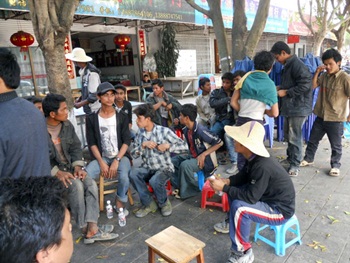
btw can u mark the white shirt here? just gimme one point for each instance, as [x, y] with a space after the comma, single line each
[109, 139]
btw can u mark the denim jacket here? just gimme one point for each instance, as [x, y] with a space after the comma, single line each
[71, 147]
[204, 139]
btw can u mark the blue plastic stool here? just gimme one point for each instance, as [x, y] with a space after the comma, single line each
[280, 244]
[200, 176]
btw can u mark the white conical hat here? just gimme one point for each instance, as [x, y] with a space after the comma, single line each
[250, 135]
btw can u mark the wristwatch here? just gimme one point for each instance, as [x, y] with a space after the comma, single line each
[118, 159]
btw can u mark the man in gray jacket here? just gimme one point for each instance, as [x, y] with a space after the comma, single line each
[67, 165]
[295, 92]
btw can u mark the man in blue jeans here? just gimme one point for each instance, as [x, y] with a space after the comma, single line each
[67, 165]
[295, 92]
[261, 192]
[108, 137]
[331, 109]
[153, 143]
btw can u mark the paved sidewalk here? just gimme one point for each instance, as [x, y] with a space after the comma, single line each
[318, 196]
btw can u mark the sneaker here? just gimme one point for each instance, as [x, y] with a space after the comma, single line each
[293, 172]
[222, 227]
[239, 257]
[233, 170]
[126, 212]
[166, 210]
[145, 210]
[305, 163]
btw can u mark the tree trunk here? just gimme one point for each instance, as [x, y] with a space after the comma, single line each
[238, 31]
[340, 34]
[257, 28]
[52, 20]
[219, 30]
[214, 13]
[318, 40]
[241, 48]
[56, 70]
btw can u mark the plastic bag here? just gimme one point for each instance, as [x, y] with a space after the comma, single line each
[347, 130]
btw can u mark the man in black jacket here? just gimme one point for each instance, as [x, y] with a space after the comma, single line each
[295, 92]
[261, 192]
[108, 137]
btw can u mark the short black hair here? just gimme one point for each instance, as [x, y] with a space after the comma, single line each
[157, 82]
[9, 69]
[146, 110]
[280, 46]
[228, 76]
[120, 86]
[34, 99]
[32, 214]
[239, 72]
[263, 60]
[51, 103]
[202, 81]
[189, 110]
[332, 53]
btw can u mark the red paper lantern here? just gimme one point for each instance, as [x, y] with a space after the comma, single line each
[23, 40]
[122, 41]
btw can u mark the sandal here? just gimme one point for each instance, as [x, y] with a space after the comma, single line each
[176, 194]
[100, 236]
[334, 172]
[106, 228]
[293, 172]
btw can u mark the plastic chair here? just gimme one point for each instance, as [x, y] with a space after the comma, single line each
[280, 244]
[169, 190]
[208, 192]
[269, 129]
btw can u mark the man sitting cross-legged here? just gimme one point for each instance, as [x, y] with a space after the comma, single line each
[261, 192]
[202, 143]
[108, 137]
[67, 165]
[153, 143]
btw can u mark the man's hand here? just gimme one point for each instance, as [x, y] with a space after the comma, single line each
[278, 88]
[78, 105]
[163, 147]
[149, 145]
[79, 173]
[320, 69]
[282, 92]
[113, 169]
[65, 177]
[200, 160]
[217, 184]
[169, 107]
[104, 169]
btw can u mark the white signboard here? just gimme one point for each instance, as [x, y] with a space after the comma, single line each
[186, 63]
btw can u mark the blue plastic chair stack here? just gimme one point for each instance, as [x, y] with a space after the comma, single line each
[246, 65]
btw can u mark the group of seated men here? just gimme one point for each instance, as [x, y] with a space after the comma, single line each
[164, 156]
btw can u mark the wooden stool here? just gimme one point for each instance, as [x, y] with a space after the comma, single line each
[102, 184]
[175, 246]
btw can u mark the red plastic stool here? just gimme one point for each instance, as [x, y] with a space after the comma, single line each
[208, 192]
[169, 190]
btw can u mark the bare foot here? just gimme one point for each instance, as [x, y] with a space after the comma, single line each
[92, 229]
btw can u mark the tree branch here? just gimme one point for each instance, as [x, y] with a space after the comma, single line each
[308, 25]
[198, 8]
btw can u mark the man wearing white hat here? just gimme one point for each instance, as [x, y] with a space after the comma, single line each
[90, 77]
[261, 192]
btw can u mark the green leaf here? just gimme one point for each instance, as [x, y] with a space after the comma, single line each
[346, 212]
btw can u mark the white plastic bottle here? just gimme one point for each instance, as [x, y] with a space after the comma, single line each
[122, 218]
[109, 210]
[212, 177]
